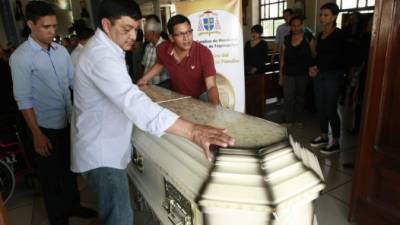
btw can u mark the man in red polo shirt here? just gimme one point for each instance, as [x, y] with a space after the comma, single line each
[189, 63]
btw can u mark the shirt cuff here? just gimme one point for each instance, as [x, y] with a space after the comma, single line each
[163, 121]
[25, 104]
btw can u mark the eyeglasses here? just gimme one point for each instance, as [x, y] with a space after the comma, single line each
[182, 34]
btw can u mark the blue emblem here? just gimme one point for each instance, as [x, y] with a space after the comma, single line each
[208, 23]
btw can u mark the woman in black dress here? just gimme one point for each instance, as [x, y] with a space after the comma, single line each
[255, 52]
[298, 51]
[328, 74]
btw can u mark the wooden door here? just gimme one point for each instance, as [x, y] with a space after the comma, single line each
[376, 187]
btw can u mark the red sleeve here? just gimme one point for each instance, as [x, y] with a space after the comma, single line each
[208, 66]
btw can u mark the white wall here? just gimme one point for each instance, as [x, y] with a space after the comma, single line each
[252, 18]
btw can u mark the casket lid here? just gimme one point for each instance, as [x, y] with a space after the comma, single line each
[160, 95]
[249, 132]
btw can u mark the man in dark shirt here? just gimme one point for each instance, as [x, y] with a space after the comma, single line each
[189, 63]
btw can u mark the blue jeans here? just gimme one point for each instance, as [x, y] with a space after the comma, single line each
[327, 87]
[112, 192]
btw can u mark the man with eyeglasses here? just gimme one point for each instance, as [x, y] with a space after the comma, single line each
[101, 147]
[189, 63]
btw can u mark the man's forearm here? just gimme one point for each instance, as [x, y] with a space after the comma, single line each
[213, 95]
[154, 70]
[182, 128]
[31, 121]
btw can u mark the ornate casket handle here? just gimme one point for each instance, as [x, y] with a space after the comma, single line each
[137, 160]
[176, 214]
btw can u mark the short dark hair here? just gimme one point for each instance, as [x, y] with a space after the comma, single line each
[333, 7]
[36, 9]
[175, 20]
[257, 28]
[299, 18]
[85, 33]
[114, 9]
[288, 10]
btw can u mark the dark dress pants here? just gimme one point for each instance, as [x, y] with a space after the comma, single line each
[327, 87]
[59, 186]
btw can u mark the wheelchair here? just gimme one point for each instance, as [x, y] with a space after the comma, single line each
[15, 165]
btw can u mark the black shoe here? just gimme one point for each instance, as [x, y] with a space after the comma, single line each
[330, 149]
[84, 212]
[318, 142]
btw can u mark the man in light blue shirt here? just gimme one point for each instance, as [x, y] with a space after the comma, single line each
[42, 78]
[42, 75]
[281, 32]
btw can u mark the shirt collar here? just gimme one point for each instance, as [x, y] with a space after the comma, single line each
[102, 37]
[36, 47]
[160, 40]
[170, 49]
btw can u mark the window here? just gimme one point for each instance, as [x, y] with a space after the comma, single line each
[348, 6]
[271, 12]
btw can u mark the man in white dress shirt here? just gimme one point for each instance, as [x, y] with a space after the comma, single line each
[84, 34]
[107, 105]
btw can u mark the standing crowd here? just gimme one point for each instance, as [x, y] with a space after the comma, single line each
[333, 62]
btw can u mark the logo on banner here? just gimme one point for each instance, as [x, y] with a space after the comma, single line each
[209, 23]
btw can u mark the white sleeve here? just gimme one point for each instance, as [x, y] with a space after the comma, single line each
[111, 78]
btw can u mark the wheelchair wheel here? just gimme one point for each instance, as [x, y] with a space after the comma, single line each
[7, 181]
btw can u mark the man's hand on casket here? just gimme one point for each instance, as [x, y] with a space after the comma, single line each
[204, 136]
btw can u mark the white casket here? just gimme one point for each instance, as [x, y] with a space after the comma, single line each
[264, 179]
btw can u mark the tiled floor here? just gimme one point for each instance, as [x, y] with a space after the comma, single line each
[26, 206]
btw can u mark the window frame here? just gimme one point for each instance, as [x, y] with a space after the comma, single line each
[267, 4]
[362, 9]
[357, 8]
